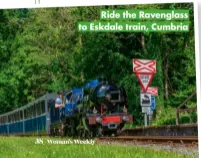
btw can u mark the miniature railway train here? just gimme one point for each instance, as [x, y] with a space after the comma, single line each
[98, 108]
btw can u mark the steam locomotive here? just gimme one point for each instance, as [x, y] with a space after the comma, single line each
[98, 108]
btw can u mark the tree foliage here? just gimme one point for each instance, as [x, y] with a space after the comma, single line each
[41, 50]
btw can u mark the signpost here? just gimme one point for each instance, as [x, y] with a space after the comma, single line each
[145, 80]
[145, 70]
[145, 101]
[153, 103]
[144, 66]
[152, 90]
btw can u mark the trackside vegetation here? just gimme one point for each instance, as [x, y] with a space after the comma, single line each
[15, 147]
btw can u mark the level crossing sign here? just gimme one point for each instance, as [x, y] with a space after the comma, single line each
[145, 70]
[145, 80]
[144, 66]
[152, 90]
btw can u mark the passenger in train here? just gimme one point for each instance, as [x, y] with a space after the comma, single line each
[59, 101]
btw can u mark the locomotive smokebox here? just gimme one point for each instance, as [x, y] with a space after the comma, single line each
[107, 96]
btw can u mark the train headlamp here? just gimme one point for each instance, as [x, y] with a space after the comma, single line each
[98, 119]
[126, 118]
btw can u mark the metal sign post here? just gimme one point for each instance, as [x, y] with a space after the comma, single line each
[145, 119]
[145, 70]
[150, 120]
[146, 105]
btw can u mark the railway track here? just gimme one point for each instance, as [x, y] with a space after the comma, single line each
[167, 130]
[168, 140]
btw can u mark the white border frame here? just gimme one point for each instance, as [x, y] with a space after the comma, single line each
[8, 4]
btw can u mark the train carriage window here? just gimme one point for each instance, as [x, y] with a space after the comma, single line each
[30, 112]
[18, 115]
[43, 106]
[10, 116]
[21, 115]
[40, 110]
[50, 103]
[25, 113]
[34, 110]
[15, 116]
[38, 107]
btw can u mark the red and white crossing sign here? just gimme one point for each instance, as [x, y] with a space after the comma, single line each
[145, 80]
[152, 90]
[144, 66]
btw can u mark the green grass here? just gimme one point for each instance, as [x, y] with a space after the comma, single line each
[25, 147]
